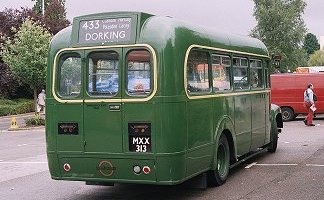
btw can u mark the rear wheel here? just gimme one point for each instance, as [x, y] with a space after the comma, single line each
[219, 175]
[287, 114]
[274, 141]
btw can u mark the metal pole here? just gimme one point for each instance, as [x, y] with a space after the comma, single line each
[43, 5]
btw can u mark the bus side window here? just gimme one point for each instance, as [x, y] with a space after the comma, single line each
[221, 73]
[256, 75]
[240, 72]
[139, 71]
[197, 72]
[69, 75]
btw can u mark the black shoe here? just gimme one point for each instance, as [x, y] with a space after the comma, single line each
[310, 124]
[305, 122]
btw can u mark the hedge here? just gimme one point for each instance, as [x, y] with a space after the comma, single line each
[16, 106]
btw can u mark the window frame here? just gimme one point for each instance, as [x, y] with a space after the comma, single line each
[229, 66]
[240, 57]
[87, 74]
[252, 68]
[126, 70]
[209, 76]
[58, 71]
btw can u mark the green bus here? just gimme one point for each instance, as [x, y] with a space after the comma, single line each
[137, 98]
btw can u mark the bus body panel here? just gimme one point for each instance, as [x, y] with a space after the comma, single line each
[243, 123]
[72, 114]
[258, 119]
[200, 129]
[102, 128]
[287, 90]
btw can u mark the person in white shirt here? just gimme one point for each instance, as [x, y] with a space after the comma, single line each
[309, 103]
[41, 101]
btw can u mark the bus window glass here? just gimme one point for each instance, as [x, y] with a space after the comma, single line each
[197, 72]
[103, 73]
[139, 72]
[243, 62]
[221, 73]
[226, 60]
[240, 72]
[236, 62]
[256, 74]
[69, 80]
[267, 75]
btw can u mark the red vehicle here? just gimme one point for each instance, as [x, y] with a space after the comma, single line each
[287, 91]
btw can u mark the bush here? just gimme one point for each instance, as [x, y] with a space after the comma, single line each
[35, 121]
[17, 106]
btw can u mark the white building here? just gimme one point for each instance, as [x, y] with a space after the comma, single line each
[322, 43]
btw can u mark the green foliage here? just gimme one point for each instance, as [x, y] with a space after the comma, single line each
[316, 59]
[10, 85]
[311, 43]
[281, 27]
[14, 107]
[38, 5]
[35, 121]
[55, 16]
[26, 54]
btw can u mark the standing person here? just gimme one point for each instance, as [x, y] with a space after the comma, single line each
[41, 101]
[309, 103]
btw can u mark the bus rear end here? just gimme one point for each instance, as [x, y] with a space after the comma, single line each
[102, 123]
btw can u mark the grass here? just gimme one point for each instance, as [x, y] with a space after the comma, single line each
[16, 106]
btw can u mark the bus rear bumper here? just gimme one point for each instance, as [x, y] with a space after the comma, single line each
[159, 170]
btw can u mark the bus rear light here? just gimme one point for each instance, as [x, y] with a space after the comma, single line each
[66, 167]
[146, 169]
[137, 169]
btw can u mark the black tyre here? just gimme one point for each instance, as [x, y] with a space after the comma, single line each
[287, 114]
[219, 175]
[274, 138]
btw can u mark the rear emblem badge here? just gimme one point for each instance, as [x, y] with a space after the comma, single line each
[106, 168]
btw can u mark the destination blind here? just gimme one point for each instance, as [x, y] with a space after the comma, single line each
[105, 30]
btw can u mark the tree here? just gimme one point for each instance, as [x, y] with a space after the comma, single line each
[281, 27]
[11, 86]
[316, 59]
[55, 16]
[26, 54]
[311, 43]
[38, 5]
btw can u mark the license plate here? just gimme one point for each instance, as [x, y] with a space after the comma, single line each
[68, 128]
[140, 143]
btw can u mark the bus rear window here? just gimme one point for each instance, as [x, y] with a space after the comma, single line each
[69, 80]
[139, 72]
[103, 73]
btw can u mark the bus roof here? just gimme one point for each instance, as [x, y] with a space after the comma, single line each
[157, 31]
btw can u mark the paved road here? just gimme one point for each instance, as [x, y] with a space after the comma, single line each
[294, 172]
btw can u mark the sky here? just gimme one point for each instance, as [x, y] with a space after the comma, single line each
[232, 16]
